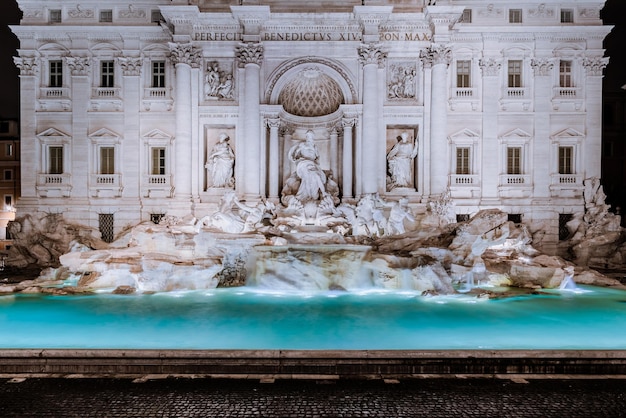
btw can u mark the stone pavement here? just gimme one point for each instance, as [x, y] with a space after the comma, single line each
[52, 397]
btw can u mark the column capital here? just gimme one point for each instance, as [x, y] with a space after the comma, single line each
[435, 55]
[348, 122]
[185, 54]
[249, 53]
[28, 65]
[272, 122]
[131, 66]
[595, 65]
[542, 66]
[79, 66]
[372, 54]
[490, 66]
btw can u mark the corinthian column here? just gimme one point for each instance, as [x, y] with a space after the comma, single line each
[437, 57]
[184, 57]
[250, 56]
[371, 57]
[592, 146]
[274, 163]
[348, 124]
[30, 152]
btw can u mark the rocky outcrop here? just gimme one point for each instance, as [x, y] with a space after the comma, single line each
[40, 241]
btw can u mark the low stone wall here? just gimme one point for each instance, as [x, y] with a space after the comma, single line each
[277, 364]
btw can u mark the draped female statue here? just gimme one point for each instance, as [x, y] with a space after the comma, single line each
[220, 163]
[400, 161]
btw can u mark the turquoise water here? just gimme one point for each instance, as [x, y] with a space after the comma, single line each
[245, 318]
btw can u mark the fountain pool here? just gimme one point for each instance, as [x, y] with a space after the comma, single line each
[251, 318]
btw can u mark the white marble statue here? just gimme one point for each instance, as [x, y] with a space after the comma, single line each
[220, 163]
[399, 212]
[308, 171]
[400, 161]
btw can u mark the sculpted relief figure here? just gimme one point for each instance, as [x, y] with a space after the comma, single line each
[220, 163]
[400, 162]
[218, 84]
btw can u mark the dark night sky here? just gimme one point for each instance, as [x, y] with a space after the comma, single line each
[614, 13]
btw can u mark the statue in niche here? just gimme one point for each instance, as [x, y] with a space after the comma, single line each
[308, 171]
[218, 84]
[400, 161]
[220, 163]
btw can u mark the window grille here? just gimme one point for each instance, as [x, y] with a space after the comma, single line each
[156, 217]
[567, 16]
[158, 74]
[106, 16]
[54, 16]
[105, 221]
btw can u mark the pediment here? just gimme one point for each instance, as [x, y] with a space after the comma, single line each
[568, 133]
[156, 134]
[104, 133]
[464, 134]
[516, 134]
[52, 133]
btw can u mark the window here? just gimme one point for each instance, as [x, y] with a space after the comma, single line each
[158, 161]
[158, 74]
[56, 74]
[515, 73]
[515, 218]
[514, 160]
[463, 73]
[466, 17]
[56, 160]
[565, 74]
[106, 16]
[4, 127]
[156, 217]
[107, 78]
[8, 201]
[8, 175]
[567, 16]
[54, 16]
[566, 160]
[564, 218]
[462, 160]
[515, 15]
[105, 221]
[462, 217]
[107, 160]
[8, 150]
[155, 16]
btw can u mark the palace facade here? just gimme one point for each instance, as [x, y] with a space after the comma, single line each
[123, 104]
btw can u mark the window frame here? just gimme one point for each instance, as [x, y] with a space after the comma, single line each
[465, 168]
[516, 16]
[55, 73]
[464, 73]
[55, 16]
[567, 16]
[107, 73]
[517, 168]
[566, 75]
[514, 73]
[158, 73]
[105, 16]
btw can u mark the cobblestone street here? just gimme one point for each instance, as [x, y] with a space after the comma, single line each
[250, 398]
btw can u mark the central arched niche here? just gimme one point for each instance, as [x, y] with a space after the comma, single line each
[311, 93]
